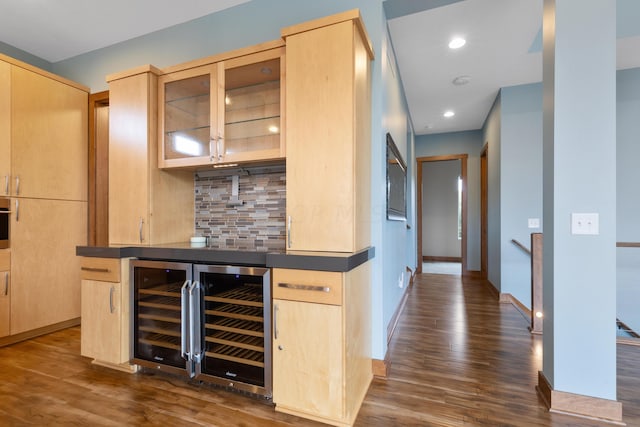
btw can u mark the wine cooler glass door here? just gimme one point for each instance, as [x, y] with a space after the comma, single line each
[158, 318]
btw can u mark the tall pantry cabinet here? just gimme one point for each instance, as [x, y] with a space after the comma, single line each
[43, 142]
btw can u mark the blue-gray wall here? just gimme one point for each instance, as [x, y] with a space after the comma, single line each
[23, 56]
[397, 244]
[492, 138]
[520, 184]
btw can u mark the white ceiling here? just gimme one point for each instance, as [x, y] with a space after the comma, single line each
[59, 29]
[503, 49]
[503, 43]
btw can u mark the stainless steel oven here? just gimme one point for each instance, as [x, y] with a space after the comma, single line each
[5, 212]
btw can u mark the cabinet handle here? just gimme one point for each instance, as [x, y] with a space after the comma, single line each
[112, 309]
[6, 184]
[95, 269]
[212, 153]
[17, 185]
[220, 147]
[289, 232]
[140, 229]
[275, 321]
[297, 287]
[6, 283]
[17, 210]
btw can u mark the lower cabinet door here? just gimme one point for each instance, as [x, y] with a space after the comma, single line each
[100, 337]
[308, 359]
[5, 292]
[45, 271]
[5, 303]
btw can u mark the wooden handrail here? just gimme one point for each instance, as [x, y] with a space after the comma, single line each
[521, 246]
[628, 244]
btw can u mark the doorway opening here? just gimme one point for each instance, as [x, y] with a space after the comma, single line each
[442, 214]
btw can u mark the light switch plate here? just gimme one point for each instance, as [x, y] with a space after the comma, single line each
[533, 223]
[585, 223]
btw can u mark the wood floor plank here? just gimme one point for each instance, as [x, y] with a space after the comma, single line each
[459, 358]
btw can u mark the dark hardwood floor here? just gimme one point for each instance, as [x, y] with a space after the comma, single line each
[459, 359]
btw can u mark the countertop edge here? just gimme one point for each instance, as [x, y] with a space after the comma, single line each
[298, 261]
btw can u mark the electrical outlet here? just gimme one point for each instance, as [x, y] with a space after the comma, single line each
[585, 223]
[533, 223]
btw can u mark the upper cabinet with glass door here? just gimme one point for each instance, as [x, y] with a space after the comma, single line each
[224, 113]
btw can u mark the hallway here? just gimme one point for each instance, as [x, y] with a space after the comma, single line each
[459, 358]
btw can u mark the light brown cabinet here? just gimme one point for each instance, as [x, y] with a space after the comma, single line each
[106, 311]
[48, 137]
[146, 205]
[5, 292]
[321, 362]
[45, 272]
[43, 161]
[224, 112]
[328, 128]
[5, 128]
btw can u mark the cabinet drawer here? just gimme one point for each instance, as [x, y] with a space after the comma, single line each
[324, 287]
[5, 260]
[101, 269]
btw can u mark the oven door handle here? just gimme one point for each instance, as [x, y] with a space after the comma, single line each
[184, 319]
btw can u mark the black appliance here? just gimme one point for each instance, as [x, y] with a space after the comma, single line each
[5, 212]
[209, 322]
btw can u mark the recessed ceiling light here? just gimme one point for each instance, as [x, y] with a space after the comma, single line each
[461, 80]
[457, 43]
[449, 113]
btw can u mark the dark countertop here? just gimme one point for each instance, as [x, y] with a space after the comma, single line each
[184, 252]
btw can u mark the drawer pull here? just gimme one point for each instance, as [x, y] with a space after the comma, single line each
[95, 269]
[305, 287]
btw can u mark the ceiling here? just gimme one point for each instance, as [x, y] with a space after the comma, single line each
[503, 43]
[504, 48]
[61, 29]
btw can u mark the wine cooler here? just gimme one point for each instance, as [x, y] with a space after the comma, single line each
[209, 322]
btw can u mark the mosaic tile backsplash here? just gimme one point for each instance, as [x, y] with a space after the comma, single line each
[257, 224]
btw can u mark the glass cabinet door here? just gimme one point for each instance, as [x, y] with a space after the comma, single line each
[187, 102]
[223, 113]
[253, 100]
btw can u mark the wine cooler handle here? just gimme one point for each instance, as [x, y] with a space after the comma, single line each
[195, 335]
[184, 319]
[112, 308]
[275, 321]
